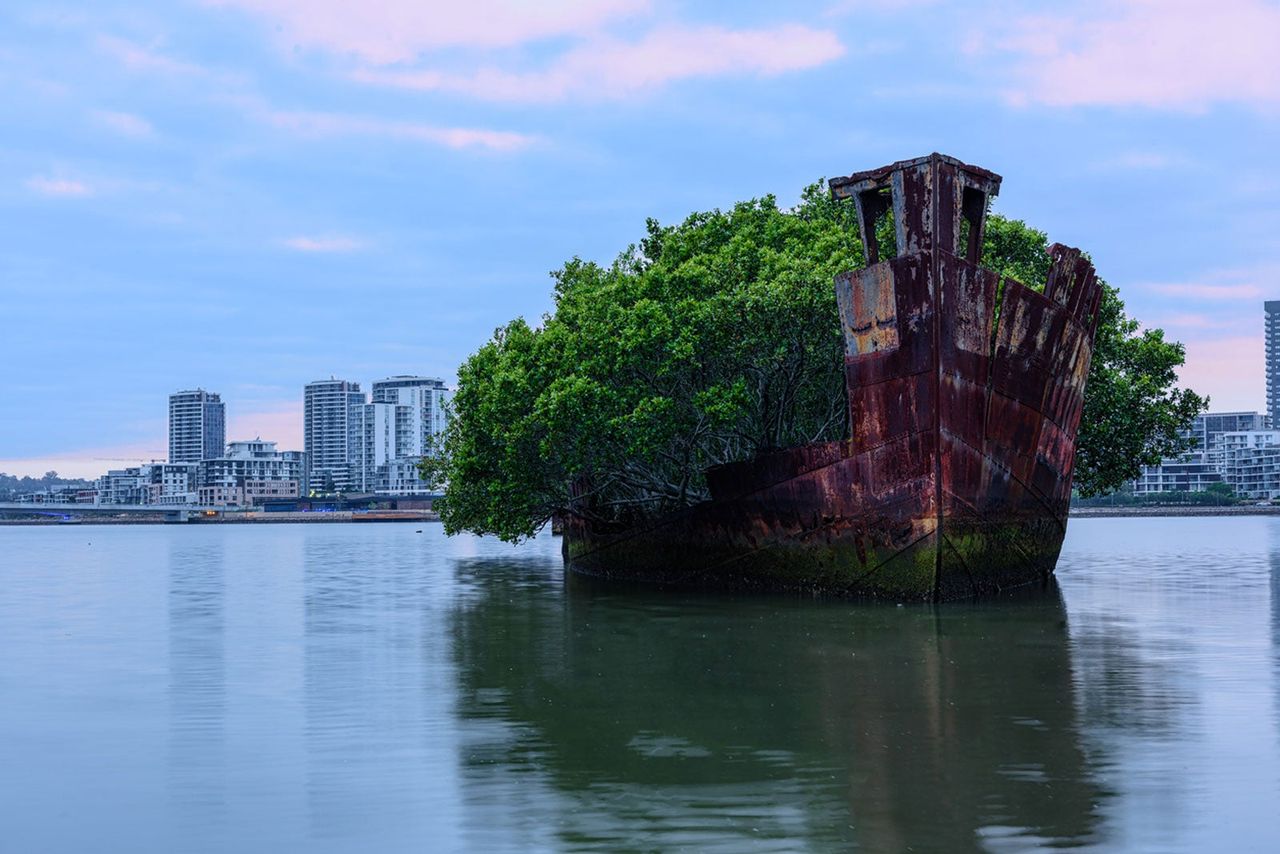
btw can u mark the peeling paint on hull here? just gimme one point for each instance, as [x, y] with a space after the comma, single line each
[965, 394]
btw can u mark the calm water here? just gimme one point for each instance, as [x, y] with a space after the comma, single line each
[370, 688]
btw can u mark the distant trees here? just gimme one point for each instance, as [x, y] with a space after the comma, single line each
[1214, 495]
[715, 340]
[11, 485]
[1220, 489]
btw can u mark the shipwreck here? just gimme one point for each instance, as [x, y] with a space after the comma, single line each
[964, 391]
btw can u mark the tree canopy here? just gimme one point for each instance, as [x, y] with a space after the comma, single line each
[715, 340]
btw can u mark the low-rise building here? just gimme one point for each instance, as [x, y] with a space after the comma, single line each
[401, 477]
[1208, 428]
[170, 483]
[222, 496]
[1205, 463]
[122, 486]
[1251, 463]
[1192, 473]
[251, 472]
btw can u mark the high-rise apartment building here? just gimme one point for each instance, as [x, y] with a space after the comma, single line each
[327, 407]
[1272, 334]
[197, 426]
[426, 399]
[375, 437]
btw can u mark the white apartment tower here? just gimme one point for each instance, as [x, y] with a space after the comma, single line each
[373, 440]
[197, 426]
[1271, 330]
[327, 408]
[425, 399]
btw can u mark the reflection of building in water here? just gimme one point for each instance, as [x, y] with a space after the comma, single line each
[197, 675]
[1138, 693]
[663, 720]
[375, 679]
[1275, 621]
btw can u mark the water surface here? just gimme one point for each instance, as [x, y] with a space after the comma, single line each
[372, 688]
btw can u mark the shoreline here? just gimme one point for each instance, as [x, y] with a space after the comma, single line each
[334, 517]
[382, 517]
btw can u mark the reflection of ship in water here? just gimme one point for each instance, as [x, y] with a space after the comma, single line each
[710, 722]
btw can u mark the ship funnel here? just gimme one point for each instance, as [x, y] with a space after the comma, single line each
[932, 202]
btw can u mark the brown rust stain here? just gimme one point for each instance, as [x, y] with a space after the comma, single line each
[868, 312]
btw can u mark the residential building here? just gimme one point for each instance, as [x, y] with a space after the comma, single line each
[376, 434]
[1204, 464]
[327, 406]
[427, 400]
[170, 483]
[1251, 463]
[1271, 333]
[1193, 473]
[251, 472]
[421, 409]
[197, 426]
[400, 477]
[1208, 427]
[60, 495]
[121, 486]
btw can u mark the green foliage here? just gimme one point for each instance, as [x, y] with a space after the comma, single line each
[1215, 495]
[713, 341]
[12, 485]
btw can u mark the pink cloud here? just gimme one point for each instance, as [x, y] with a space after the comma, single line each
[613, 68]
[1226, 284]
[391, 31]
[318, 124]
[1229, 370]
[1207, 291]
[125, 124]
[86, 462]
[1173, 322]
[1145, 160]
[843, 8]
[282, 424]
[136, 57]
[58, 187]
[1180, 54]
[324, 244]
[279, 422]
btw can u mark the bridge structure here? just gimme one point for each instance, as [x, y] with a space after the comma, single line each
[73, 511]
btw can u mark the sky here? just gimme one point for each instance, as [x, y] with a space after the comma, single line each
[247, 195]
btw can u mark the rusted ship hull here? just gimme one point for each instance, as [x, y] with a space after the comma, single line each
[965, 393]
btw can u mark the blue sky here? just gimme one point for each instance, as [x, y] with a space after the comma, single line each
[247, 195]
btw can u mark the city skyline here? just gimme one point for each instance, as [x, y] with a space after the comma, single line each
[353, 442]
[242, 194]
[286, 432]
